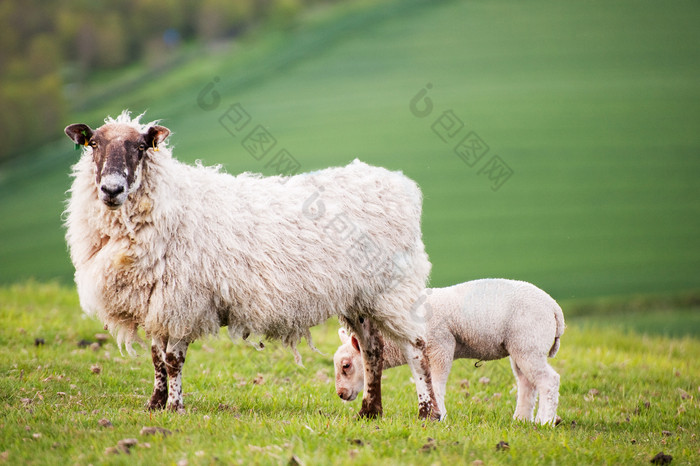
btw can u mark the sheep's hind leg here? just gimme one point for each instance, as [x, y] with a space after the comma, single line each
[416, 355]
[160, 384]
[407, 330]
[174, 360]
[371, 348]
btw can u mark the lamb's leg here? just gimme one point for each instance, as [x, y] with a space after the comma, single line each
[371, 348]
[416, 356]
[527, 394]
[160, 385]
[440, 371]
[548, 386]
[174, 360]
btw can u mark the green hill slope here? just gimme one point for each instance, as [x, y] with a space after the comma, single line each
[593, 107]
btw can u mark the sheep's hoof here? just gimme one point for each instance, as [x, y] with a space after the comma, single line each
[157, 401]
[369, 414]
[178, 408]
[426, 411]
[155, 405]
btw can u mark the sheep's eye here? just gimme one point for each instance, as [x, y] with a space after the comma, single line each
[93, 144]
[142, 147]
[346, 366]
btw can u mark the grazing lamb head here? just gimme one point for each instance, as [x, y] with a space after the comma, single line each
[349, 369]
[117, 150]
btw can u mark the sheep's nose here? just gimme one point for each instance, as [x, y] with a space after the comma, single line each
[112, 191]
[343, 395]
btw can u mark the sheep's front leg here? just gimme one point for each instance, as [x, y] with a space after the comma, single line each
[160, 384]
[174, 360]
[371, 348]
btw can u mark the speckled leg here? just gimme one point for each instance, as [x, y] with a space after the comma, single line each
[371, 348]
[160, 384]
[416, 356]
[174, 360]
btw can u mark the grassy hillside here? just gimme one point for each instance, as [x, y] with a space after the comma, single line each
[594, 107]
[625, 396]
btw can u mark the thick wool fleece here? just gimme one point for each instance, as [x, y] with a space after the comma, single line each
[193, 249]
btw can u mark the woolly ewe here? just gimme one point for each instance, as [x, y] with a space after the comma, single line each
[181, 250]
[482, 319]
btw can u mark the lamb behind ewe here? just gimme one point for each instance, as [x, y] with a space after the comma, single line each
[486, 320]
[182, 250]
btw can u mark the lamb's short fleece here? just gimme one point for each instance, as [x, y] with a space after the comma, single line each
[486, 320]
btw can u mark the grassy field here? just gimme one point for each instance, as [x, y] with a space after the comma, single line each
[625, 396]
[594, 107]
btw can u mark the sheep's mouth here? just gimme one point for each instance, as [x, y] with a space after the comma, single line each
[350, 397]
[112, 204]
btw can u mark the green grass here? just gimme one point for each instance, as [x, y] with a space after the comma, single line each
[620, 391]
[594, 106]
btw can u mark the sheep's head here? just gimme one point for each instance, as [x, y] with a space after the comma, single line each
[118, 151]
[349, 369]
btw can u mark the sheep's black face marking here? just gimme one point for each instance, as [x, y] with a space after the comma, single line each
[118, 151]
[115, 150]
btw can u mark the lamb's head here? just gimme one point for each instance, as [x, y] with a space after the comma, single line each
[349, 369]
[118, 151]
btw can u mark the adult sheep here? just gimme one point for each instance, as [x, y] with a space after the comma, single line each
[182, 250]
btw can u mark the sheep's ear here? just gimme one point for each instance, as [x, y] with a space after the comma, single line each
[155, 135]
[79, 133]
[343, 335]
[355, 343]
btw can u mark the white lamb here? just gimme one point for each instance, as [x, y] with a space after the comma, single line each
[485, 320]
[181, 250]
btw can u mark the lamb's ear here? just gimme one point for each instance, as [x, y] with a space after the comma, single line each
[343, 335]
[79, 133]
[155, 135]
[355, 343]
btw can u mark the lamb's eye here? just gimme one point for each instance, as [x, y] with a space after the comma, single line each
[142, 147]
[346, 366]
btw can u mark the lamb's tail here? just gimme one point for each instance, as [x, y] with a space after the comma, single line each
[559, 318]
